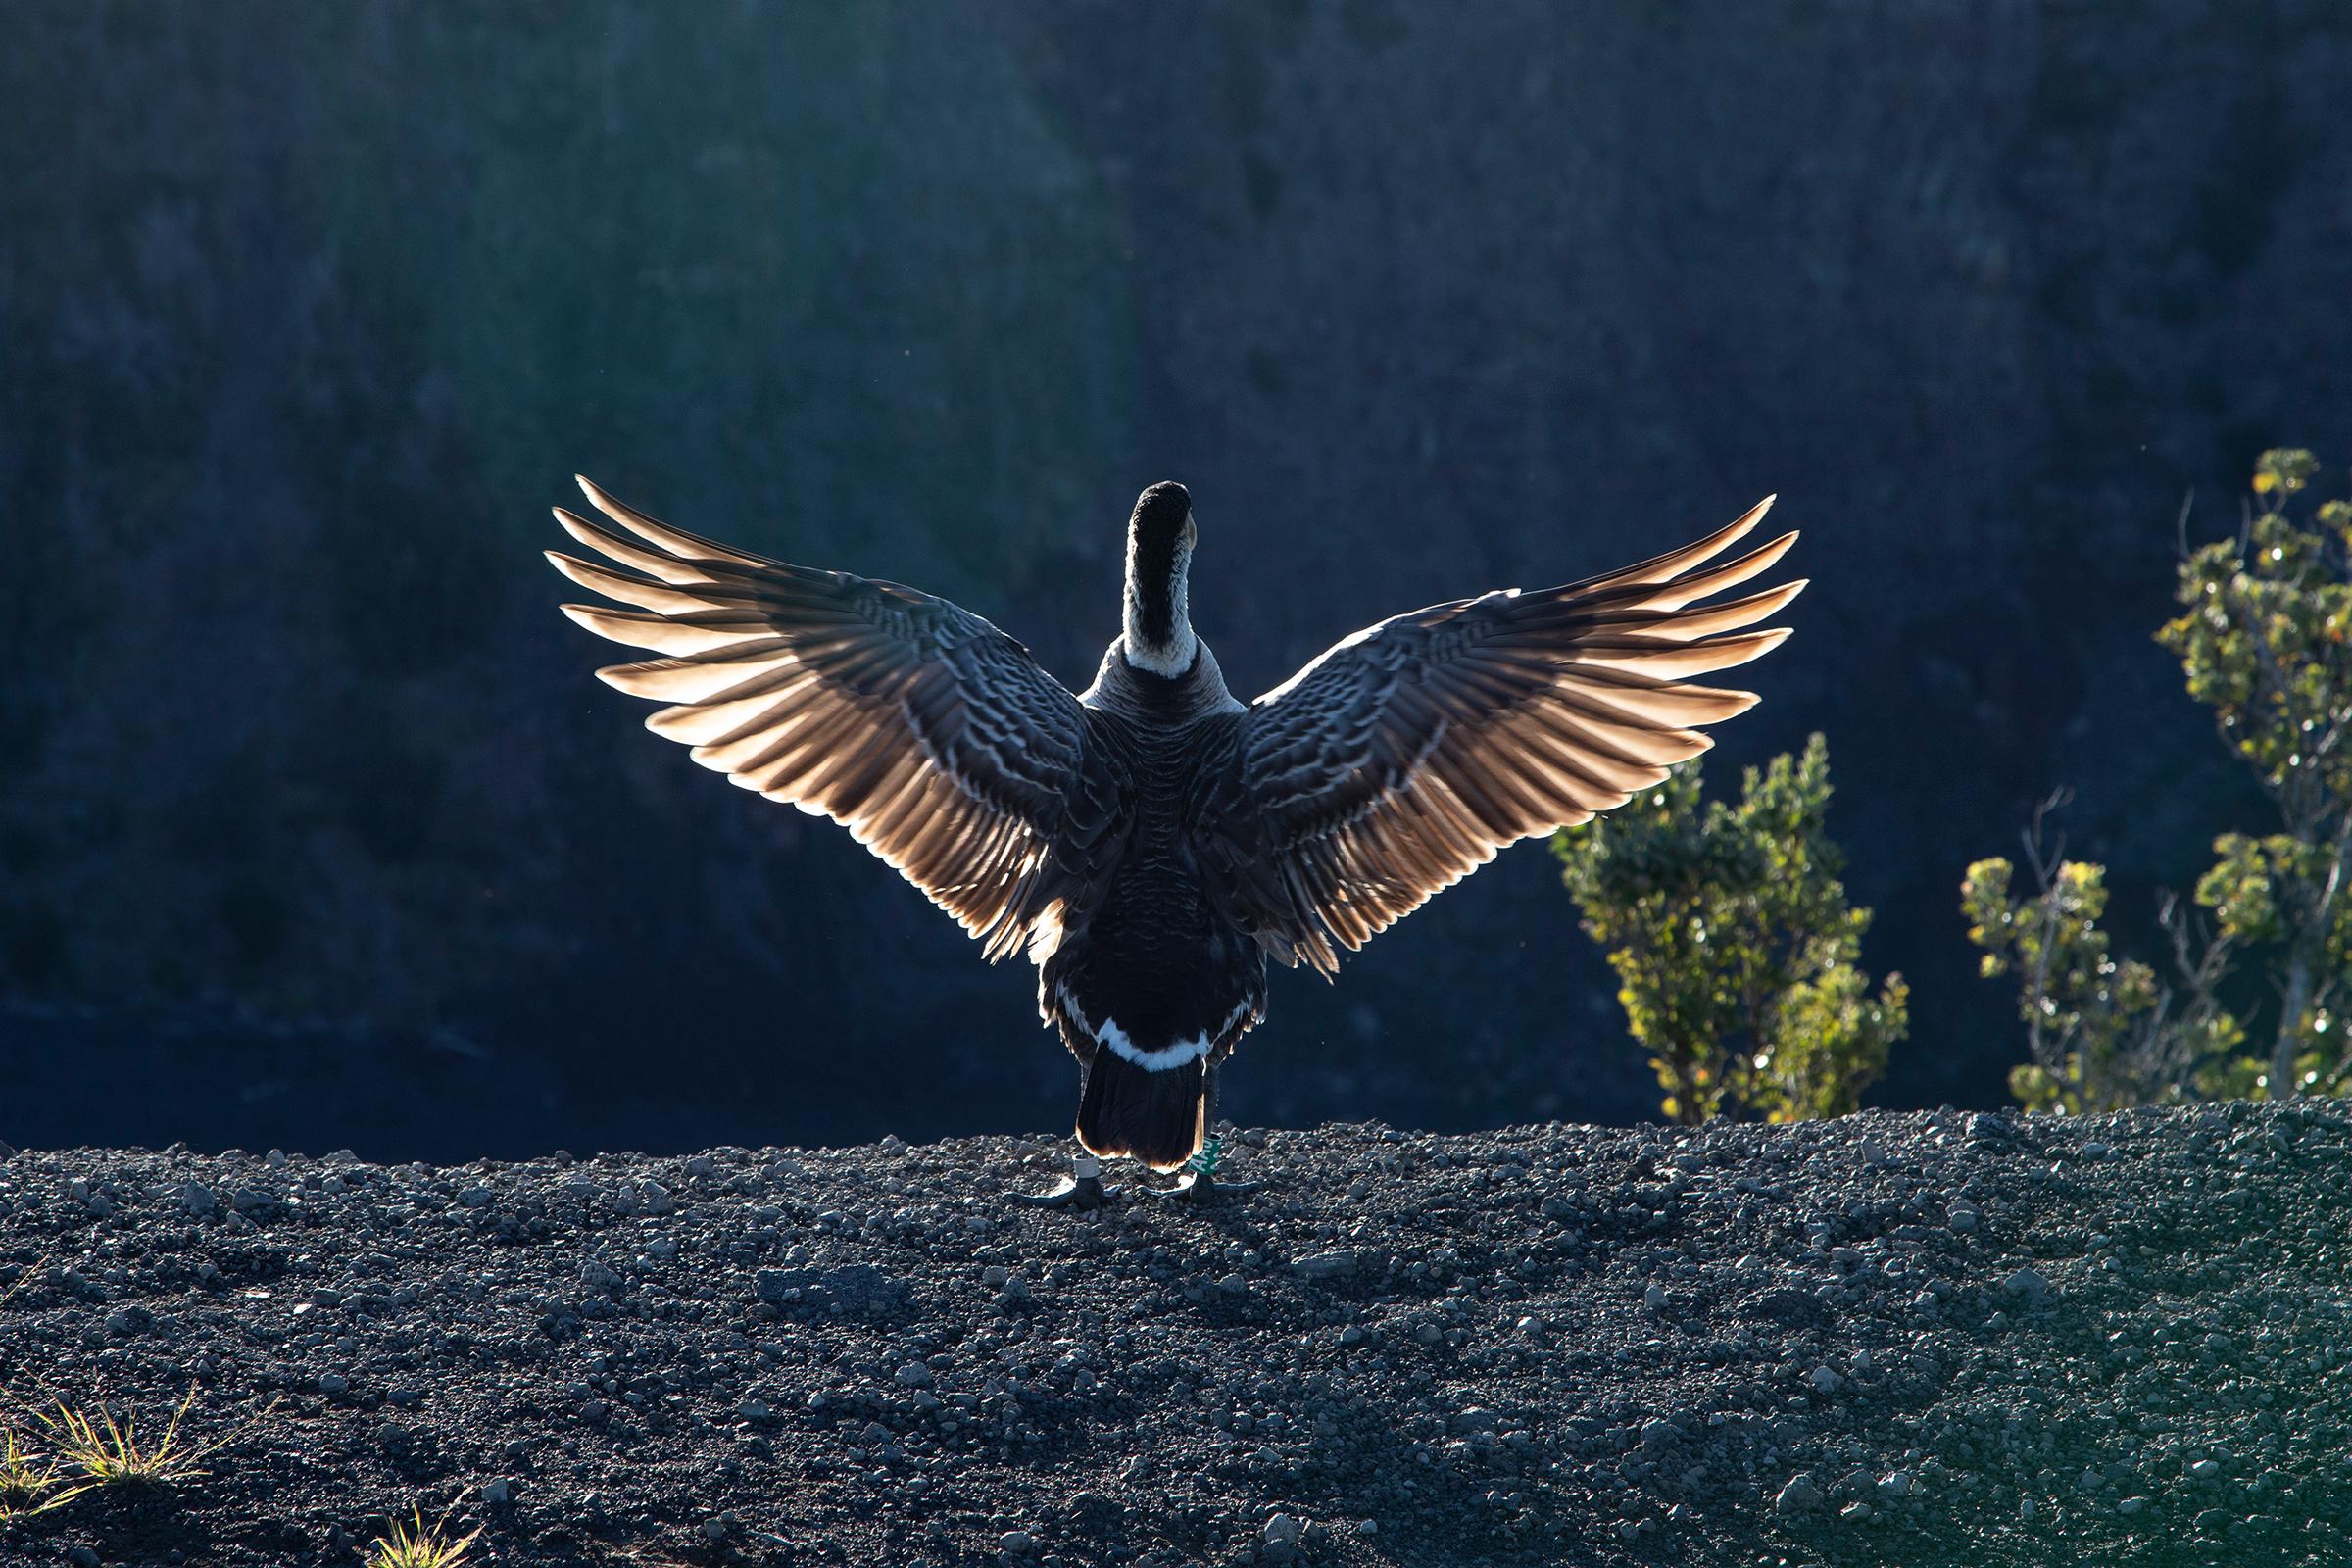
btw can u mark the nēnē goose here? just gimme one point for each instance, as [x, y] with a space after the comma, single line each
[1151, 842]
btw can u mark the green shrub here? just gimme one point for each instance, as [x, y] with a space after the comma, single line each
[2264, 640]
[2100, 1034]
[1734, 944]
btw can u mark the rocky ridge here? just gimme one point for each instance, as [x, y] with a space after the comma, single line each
[1919, 1338]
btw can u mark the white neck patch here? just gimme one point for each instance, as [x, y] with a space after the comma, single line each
[1174, 656]
[1171, 661]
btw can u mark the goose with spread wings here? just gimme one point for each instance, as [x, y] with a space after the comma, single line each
[1152, 841]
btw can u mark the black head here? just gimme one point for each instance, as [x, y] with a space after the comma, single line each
[1160, 516]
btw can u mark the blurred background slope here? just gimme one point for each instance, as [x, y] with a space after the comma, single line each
[314, 827]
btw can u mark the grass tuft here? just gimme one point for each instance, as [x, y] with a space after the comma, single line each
[28, 1483]
[106, 1452]
[417, 1545]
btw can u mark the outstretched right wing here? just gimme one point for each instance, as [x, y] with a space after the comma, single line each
[927, 732]
[1399, 762]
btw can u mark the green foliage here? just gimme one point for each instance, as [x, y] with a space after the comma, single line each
[2102, 1034]
[2264, 640]
[1734, 944]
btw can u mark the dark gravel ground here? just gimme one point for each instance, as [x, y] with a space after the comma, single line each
[1890, 1338]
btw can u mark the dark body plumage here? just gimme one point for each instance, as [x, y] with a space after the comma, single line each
[1152, 842]
[1153, 951]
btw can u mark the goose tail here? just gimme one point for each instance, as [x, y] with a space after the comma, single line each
[1154, 1115]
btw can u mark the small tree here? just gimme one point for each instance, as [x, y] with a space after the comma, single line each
[1734, 944]
[2102, 1035]
[2265, 642]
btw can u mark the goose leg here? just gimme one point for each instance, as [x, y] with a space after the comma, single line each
[1083, 1189]
[1200, 1184]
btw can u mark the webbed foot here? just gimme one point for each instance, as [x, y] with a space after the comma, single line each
[1204, 1189]
[1200, 1184]
[1083, 1189]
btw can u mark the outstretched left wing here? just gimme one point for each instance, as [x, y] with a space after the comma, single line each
[1402, 758]
[927, 732]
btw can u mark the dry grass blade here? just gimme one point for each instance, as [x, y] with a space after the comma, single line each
[24, 1277]
[28, 1483]
[417, 1545]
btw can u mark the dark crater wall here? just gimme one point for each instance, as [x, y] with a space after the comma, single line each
[311, 312]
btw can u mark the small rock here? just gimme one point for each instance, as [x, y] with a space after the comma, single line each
[334, 1383]
[198, 1198]
[1827, 1380]
[995, 1275]
[2205, 1469]
[1857, 1512]
[1799, 1495]
[913, 1375]
[2029, 1281]
[1282, 1530]
[657, 1199]
[2027, 1508]
[1984, 1127]
[1961, 1219]
[1016, 1543]
[1659, 1434]
[82, 1557]
[1325, 1266]
[1897, 1485]
[1654, 1299]
[498, 1492]
[475, 1197]
[2130, 1505]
